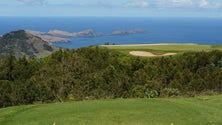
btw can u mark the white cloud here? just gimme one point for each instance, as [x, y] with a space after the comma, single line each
[203, 4]
[137, 4]
[173, 3]
[210, 5]
[31, 2]
[104, 3]
[181, 3]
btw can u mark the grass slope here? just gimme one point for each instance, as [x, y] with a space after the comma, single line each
[176, 48]
[181, 111]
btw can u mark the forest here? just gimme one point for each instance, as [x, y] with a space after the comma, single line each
[101, 73]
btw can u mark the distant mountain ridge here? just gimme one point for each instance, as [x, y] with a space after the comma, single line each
[63, 36]
[20, 43]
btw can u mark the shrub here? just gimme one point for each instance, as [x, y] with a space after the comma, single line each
[151, 93]
[208, 93]
[138, 91]
[170, 92]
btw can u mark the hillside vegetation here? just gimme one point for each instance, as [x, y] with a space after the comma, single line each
[179, 111]
[101, 73]
[20, 43]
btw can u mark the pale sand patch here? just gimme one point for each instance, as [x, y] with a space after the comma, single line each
[149, 54]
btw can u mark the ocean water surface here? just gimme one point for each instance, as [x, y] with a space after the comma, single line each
[157, 30]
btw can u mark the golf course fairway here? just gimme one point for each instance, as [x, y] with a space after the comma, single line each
[160, 111]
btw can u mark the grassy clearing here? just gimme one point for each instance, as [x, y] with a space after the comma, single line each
[181, 111]
[160, 49]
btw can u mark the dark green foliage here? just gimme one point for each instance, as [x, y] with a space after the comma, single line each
[151, 93]
[96, 73]
[170, 92]
[219, 63]
[5, 95]
[106, 43]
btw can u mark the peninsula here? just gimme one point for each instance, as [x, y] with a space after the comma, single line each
[64, 36]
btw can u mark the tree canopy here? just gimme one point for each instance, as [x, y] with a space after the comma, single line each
[98, 73]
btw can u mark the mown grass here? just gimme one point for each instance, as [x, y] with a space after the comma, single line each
[180, 111]
[176, 48]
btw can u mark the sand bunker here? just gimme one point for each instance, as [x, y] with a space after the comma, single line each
[149, 54]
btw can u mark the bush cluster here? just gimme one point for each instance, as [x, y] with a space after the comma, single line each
[97, 73]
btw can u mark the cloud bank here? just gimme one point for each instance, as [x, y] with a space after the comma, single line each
[32, 2]
[137, 4]
[203, 8]
[175, 4]
[204, 4]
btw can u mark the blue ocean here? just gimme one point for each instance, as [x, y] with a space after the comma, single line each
[156, 30]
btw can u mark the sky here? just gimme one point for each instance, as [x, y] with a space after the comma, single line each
[112, 8]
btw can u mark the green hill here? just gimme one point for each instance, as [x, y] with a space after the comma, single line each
[179, 111]
[21, 43]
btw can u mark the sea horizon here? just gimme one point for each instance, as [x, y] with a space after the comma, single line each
[198, 30]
